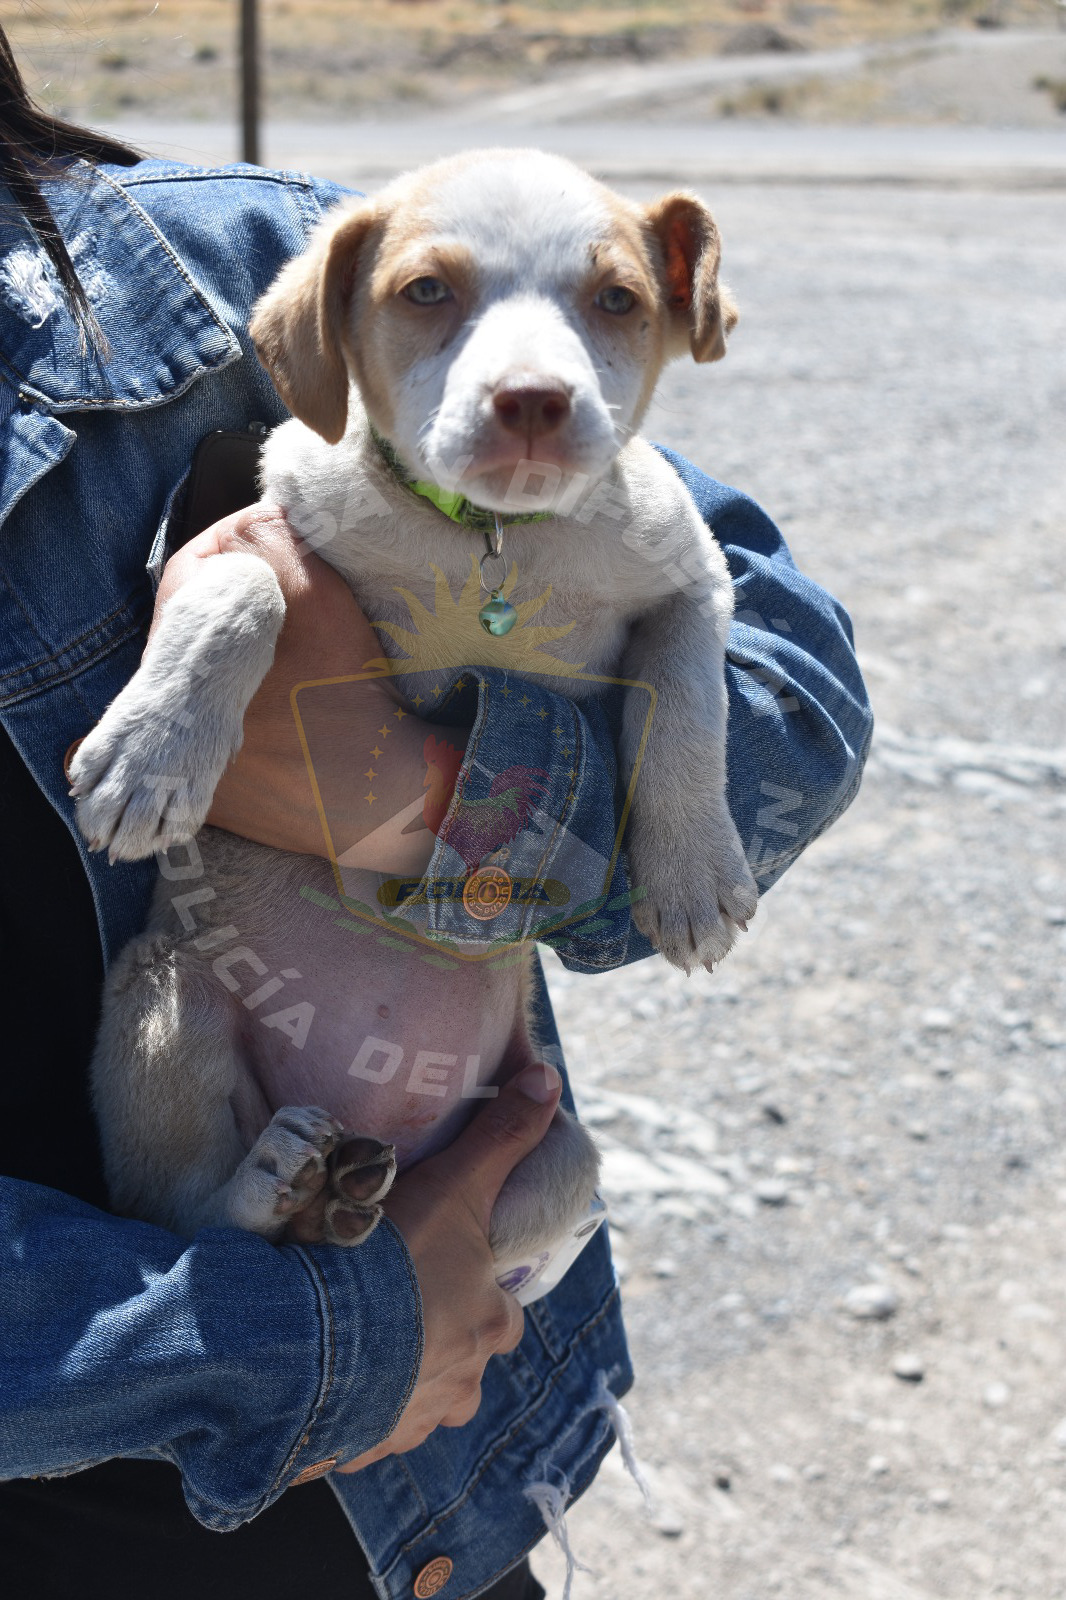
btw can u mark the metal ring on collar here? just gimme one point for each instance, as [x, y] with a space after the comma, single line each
[490, 555]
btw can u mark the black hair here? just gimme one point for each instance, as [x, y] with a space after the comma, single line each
[35, 145]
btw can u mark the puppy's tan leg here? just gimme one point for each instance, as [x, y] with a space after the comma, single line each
[548, 1192]
[167, 1076]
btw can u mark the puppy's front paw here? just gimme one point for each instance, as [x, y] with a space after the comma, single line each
[142, 784]
[698, 894]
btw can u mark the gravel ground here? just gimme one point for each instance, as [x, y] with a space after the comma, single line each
[868, 1096]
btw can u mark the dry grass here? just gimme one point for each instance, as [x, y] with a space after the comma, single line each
[334, 57]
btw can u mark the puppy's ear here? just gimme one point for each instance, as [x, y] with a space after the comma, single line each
[297, 326]
[701, 309]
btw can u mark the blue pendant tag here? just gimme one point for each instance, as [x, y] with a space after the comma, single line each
[497, 616]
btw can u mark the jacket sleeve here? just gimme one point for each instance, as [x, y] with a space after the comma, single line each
[799, 730]
[241, 1363]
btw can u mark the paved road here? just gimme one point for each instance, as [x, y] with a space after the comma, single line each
[365, 153]
[583, 96]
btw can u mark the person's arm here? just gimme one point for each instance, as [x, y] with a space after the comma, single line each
[252, 1366]
[242, 1363]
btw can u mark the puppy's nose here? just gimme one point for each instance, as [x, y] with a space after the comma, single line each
[532, 408]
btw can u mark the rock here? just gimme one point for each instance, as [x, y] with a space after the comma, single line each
[750, 1083]
[815, 1472]
[667, 1521]
[692, 1177]
[1033, 1311]
[758, 38]
[1058, 1436]
[627, 1172]
[793, 1167]
[871, 1302]
[917, 1130]
[772, 1191]
[940, 1498]
[696, 1133]
[878, 1466]
[781, 1473]
[664, 1267]
[996, 1395]
[909, 1367]
[938, 1020]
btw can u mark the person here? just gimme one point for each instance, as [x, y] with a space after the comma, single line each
[158, 1391]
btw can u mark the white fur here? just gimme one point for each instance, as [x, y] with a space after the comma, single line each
[531, 223]
[145, 775]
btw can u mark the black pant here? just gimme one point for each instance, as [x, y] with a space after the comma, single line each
[123, 1532]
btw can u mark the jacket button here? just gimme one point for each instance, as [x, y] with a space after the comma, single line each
[433, 1577]
[486, 893]
[72, 751]
[319, 1469]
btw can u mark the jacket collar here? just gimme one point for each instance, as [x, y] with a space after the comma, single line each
[162, 331]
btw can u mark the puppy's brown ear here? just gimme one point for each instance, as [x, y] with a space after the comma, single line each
[701, 309]
[298, 325]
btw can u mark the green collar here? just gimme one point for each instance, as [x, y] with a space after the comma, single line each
[454, 505]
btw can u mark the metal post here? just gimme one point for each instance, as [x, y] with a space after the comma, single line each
[249, 53]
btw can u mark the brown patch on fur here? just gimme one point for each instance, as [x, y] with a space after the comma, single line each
[626, 259]
[701, 310]
[297, 326]
[389, 333]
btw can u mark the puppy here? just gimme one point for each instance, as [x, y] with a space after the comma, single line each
[493, 327]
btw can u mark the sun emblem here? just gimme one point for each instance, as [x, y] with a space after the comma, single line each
[452, 636]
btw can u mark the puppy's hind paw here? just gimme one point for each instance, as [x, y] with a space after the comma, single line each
[359, 1173]
[284, 1176]
[361, 1169]
[349, 1224]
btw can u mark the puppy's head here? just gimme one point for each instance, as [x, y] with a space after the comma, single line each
[504, 316]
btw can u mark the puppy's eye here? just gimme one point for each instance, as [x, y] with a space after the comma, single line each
[616, 300]
[427, 292]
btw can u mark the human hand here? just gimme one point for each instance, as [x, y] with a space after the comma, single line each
[442, 1208]
[266, 793]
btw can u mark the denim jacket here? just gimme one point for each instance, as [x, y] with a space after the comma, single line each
[247, 1365]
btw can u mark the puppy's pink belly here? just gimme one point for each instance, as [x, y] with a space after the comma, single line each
[395, 1048]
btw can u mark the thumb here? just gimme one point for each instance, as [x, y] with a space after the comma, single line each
[480, 1160]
